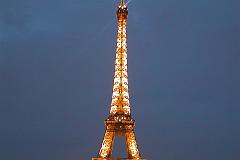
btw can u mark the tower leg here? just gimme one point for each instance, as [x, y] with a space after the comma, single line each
[107, 145]
[132, 147]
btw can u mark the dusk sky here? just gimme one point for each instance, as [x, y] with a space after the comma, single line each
[56, 78]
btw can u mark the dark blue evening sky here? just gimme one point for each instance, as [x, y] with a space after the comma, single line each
[56, 77]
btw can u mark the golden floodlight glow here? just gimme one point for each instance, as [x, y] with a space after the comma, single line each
[120, 95]
[120, 122]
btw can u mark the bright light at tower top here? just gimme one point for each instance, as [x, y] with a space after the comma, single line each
[122, 11]
[122, 5]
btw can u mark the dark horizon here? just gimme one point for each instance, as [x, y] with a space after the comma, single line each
[56, 78]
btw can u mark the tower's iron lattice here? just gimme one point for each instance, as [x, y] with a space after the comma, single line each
[120, 122]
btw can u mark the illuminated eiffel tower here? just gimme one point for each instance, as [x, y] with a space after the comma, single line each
[120, 122]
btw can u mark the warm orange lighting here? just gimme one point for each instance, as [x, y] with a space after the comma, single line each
[119, 122]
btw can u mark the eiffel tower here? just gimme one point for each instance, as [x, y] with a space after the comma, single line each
[120, 122]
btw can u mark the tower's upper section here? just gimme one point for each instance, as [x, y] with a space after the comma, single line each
[120, 104]
[122, 12]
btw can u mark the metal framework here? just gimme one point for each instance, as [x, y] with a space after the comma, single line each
[119, 122]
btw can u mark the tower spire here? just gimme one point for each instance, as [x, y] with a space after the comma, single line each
[120, 97]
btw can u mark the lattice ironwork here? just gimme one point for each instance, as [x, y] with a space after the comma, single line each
[120, 95]
[119, 122]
